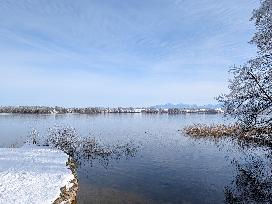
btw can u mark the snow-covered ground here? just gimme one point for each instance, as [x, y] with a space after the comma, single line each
[32, 174]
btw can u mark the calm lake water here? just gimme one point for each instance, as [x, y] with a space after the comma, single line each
[168, 167]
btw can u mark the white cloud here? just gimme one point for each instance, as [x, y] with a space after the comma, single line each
[125, 53]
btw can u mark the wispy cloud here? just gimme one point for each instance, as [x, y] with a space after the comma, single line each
[144, 52]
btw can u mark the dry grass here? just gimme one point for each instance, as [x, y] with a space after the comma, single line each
[202, 130]
[260, 136]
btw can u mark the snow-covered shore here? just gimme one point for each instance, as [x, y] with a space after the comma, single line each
[96, 110]
[33, 174]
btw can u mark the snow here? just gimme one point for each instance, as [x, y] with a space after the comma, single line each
[32, 174]
[219, 110]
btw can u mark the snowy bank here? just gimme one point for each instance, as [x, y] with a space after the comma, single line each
[34, 174]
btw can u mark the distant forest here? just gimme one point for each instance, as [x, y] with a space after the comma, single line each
[95, 110]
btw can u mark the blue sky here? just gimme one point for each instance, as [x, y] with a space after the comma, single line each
[120, 52]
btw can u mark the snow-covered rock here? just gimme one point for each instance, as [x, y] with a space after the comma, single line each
[33, 174]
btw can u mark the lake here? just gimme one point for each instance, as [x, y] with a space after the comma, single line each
[168, 166]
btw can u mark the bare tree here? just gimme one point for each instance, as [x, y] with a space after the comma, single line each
[250, 90]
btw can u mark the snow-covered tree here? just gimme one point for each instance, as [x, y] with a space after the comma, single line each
[250, 90]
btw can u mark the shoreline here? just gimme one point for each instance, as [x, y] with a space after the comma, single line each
[101, 110]
[35, 174]
[68, 194]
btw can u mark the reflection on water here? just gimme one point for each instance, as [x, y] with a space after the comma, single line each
[253, 180]
[105, 195]
[152, 161]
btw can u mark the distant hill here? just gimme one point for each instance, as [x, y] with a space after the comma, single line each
[189, 106]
